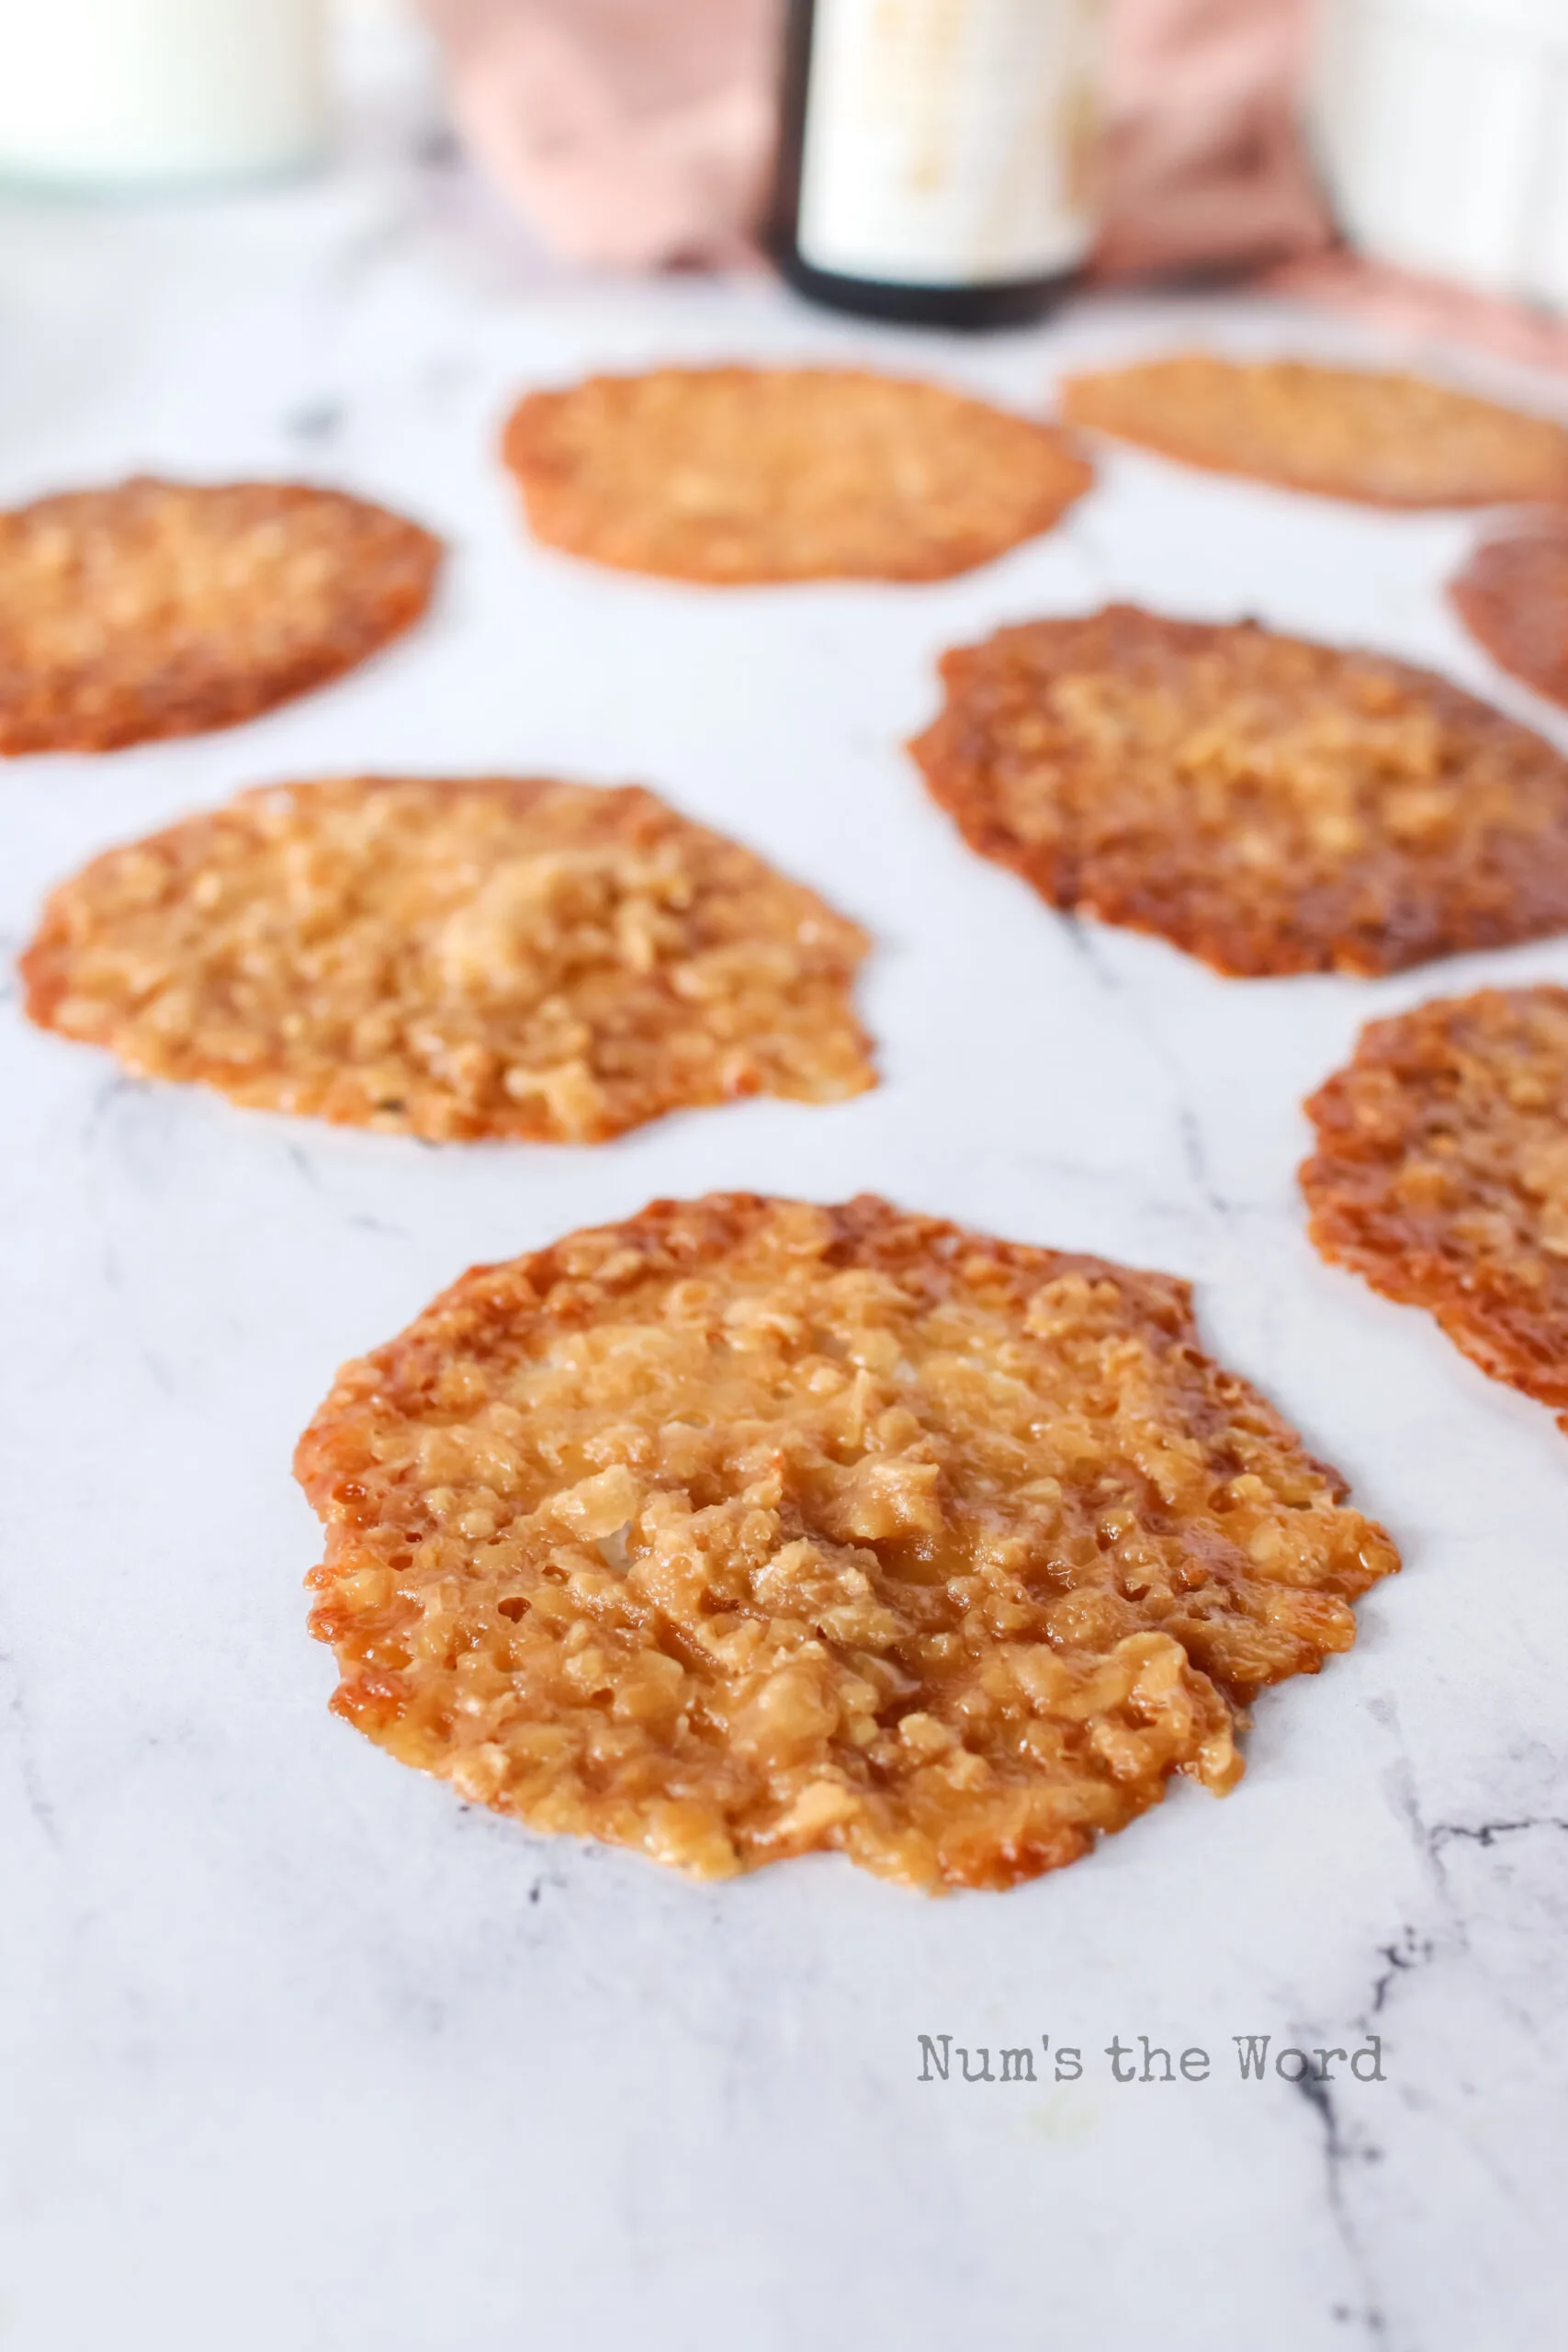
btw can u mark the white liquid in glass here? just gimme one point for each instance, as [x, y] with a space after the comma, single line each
[142, 93]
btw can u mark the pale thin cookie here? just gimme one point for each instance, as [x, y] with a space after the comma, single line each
[1440, 1175]
[745, 474]
[1267, 804]
[1385, 439]
[747, 1528]
[496, 956]
[159, 608]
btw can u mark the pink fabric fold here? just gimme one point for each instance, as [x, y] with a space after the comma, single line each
[1204, 166]
[630, 134]
[1423, 308]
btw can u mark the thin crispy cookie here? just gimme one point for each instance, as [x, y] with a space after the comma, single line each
[492, 957]
[1267, 804]
[1387, 440]
[160, 608]
[748, 1528]
[1512, 595]
[741, 474]
[1441, 1175]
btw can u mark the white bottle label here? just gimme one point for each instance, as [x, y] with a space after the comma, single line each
[947, 142]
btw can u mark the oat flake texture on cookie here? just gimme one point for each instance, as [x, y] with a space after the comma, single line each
[747, 1528]
[159, 608]
[1440, 1175]
[1384, 439]
[730, 475]
[496, 957]
[1267, 804]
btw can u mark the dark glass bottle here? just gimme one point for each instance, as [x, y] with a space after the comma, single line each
[934, 156]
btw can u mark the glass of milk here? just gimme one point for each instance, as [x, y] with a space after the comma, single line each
[1442, 129]
[147, 94]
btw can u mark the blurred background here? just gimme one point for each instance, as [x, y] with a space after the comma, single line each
[1405, 157]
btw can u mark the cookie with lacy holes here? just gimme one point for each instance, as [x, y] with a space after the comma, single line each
[731, 475]
[748, 1528]
[158, 608]
[1267, 804]
[1440, 1175]
[1384, 439]
[1512, 595]
[498, 957]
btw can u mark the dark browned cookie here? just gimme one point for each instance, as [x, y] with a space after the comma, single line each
[1266, 803]
[1512, 595]
[165, 608]
[748, 1528]
[1388, 440]
[731, 475]
[1441, 1175]
[497, 955]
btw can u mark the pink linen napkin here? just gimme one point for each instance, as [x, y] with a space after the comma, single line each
[630, 134]
[1204, 166]
[1423, 309]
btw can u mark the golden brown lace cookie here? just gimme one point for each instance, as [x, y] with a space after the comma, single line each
[167, 608]
[1267, 804]
[1388, 440]
[1512, 596]
[490, 957]
[748, 1527]
[1440, 1175]
[738, 474]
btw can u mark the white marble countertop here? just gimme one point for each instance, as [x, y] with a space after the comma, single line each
[296, 2053]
